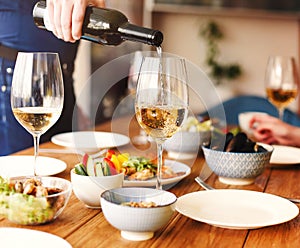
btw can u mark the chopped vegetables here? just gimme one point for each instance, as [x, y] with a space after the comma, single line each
[192, 124]
[133, 167]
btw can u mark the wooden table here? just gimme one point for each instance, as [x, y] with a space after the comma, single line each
[83, 227]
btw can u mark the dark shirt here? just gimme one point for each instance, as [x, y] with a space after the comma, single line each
[17, 30]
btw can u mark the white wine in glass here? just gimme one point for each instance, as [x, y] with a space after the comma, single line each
[281, 82]
[161, 100]
[37, 93]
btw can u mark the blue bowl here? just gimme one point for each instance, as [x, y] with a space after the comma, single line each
[237, 168]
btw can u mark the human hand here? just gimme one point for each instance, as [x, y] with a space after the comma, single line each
[271, 130]
[66, 17]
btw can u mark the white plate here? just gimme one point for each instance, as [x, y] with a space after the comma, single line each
[285, 155]
[20, 237]
[236, 209]
[12, 166]
[174, 165]
[90, 141]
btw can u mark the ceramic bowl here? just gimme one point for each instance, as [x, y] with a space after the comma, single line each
[185, 144]
[137, 223]
[237, 168]
[27, 209]
[89, 188]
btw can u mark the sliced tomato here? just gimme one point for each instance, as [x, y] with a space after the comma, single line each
[111, 166]
[109, 153]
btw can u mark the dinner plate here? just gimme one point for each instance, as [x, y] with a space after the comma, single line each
[174, 165]
[11, 237]
[90, 141]
[285, 155]
[236, 209]
[13, 166]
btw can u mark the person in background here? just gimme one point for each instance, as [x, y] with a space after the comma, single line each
[19, 33]
[272, 130]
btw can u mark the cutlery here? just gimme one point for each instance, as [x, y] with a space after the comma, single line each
[70, 151]
[205, 172]
[208, 187]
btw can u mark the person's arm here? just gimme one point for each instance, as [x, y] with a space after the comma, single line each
[271, 130]
[66, 17]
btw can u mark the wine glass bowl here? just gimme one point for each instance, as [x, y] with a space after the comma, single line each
[161, 103]
[281, 82]
[37, 93]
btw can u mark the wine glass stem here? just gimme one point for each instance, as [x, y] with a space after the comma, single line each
[280, 112]
[159, 165]
[36, 142]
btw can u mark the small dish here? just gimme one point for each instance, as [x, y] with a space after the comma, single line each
[174, 165]
[12, 237]
[89, 188]
[285, 155]
[137, 223]
[15, 166]
[238, 168]
[34, 200]
[89, 141]
[185, 144]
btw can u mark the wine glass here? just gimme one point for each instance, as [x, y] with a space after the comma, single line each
[161, 103]
[37, 93]
[281, 82]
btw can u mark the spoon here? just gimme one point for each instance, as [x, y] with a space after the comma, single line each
[208, 187]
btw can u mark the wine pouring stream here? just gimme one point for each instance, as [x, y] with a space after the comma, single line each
[162, 95]
[161, 104]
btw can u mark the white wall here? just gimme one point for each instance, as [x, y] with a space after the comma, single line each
[248, 41]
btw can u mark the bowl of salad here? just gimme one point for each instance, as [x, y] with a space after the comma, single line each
[33, 200]
[91, 177]
[187, 142]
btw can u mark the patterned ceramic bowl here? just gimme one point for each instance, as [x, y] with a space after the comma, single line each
[137, 223]
[237, 168]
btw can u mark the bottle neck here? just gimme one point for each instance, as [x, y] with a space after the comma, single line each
[135, 33]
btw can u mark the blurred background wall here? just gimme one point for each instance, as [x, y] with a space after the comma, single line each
[251, 35]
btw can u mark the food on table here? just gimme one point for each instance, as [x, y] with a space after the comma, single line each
[26, 201]
[235, 143]
[133, 167]
[141, 204]
[192, 124]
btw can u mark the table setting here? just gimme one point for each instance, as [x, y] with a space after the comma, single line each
[101, 206]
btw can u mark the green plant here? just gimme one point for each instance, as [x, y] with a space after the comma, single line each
[212, 34]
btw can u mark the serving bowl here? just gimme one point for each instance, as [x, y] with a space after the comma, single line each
[89, 188]
[186, 144]
[137, 223]
[238, 168]
[34, 207]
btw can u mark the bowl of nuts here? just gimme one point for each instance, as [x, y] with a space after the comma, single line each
[137, 212]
